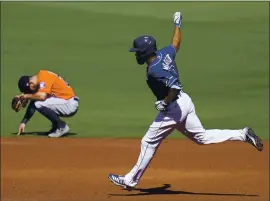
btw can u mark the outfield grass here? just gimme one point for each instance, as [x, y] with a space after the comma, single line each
[223, 61]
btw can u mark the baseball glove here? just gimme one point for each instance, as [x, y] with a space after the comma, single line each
[17, 103]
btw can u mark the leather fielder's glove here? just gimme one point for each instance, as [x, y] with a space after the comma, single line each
[17, 103]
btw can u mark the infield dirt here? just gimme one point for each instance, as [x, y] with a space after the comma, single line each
[76, 169]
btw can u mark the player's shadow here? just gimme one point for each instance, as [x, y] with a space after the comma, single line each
[164, 190]
[40, 133]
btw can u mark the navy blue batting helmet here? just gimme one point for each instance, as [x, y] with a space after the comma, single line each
[144, 46]
[23, 84]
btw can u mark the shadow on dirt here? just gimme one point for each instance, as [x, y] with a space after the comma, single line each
[164, 190]
[40, 133]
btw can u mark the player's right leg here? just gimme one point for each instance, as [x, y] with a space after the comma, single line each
[163, 125]
[191, 127]
[53, 108]
[46, 111]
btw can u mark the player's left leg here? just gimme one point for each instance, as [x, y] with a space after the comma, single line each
[191, 127]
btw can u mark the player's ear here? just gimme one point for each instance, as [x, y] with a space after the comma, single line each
[31, 85]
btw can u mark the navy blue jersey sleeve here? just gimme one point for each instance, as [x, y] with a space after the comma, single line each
[168, 79]
[169, 50]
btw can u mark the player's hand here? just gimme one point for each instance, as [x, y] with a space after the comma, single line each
[161, 105]
[177, 19]
[21, 128]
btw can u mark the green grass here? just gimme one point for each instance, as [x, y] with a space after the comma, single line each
[223, 61]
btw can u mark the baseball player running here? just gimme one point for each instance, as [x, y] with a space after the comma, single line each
[176, 109]
[51, 96]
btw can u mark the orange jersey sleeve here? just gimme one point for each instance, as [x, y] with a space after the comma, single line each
[45, 80]
[54, 85]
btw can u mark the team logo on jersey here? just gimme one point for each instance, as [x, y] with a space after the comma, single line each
[167, 62]
[42, 85]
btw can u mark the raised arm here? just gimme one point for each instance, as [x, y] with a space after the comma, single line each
[176, 40]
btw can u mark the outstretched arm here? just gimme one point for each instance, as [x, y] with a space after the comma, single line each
[176, 40]
[28, 115]
[29, 112]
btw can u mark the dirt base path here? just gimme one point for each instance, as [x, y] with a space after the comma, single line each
[42, 169]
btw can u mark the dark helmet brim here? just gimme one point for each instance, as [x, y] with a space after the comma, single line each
[133, 49]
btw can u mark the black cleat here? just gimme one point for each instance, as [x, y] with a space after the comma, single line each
[119, 181]
[253, 139]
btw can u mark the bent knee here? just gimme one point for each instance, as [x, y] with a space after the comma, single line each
[200, 138]
[146, 140]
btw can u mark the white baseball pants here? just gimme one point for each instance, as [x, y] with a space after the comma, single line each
[181, 115]
[60, 106]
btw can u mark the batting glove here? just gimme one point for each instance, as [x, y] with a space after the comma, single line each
[177, 19]
[161, 105]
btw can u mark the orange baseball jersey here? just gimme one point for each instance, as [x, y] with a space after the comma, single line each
[54, 85]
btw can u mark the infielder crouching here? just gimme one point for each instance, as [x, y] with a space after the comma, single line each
[52, 97]
[176, 109]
